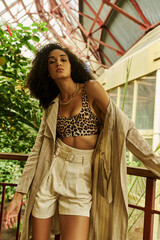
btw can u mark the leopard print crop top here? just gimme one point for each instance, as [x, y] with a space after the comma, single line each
[85, 123]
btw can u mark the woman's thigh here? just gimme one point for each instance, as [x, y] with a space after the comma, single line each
[74, 227]
[41, 228]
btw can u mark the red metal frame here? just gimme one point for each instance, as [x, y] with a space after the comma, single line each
[104, 55]
[148, 209]
[119, 52]
[120, 10]
[115, 40]
[42, 15]
[136, 6]
[96, 18]
[149, 206]
[102, 26]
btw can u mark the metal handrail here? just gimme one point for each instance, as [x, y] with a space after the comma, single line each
[148, 209]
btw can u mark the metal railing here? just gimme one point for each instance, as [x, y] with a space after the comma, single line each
[148, 209]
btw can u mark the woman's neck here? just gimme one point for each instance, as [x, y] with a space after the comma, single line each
[67, 89]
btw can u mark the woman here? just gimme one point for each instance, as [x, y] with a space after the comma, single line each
[73, 143]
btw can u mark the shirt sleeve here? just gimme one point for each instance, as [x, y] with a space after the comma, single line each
[30, 167]
[136, 143]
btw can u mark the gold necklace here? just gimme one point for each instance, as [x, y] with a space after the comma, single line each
[75, 91]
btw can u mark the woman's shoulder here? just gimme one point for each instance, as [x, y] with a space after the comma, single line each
[97, 94]
[92, 83]
[93, 87]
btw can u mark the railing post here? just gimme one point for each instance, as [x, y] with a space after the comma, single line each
[2, 206]
[149, 206]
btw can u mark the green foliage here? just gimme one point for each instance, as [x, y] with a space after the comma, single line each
[126, 83]
[157, 148]
[20, 115]
[10, 172]
[19, 118]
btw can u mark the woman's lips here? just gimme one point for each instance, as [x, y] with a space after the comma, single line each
[59, 70]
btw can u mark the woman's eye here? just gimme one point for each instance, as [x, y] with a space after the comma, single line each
[51, 62]
[64, 60]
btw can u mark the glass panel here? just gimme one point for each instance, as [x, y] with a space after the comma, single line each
[156, 229]
[136, 190]
[135, 227]
[46, 6]
[145, 103]
[2, 7]
[113, 94]
[20, 14]
[28, 3]
[10, 2]
[14, 10]
[7, 16]
[128, 99]
[157, 203]
[26, 22]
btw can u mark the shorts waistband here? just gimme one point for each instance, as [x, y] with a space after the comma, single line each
[72, 154]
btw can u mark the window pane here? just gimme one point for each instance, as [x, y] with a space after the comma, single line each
[145, 103]
[157, 205]
[135, 227]
[127, 99]
[156, 230]
[113, 94]
[136, 190]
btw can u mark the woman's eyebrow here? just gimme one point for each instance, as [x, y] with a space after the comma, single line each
[62, 55]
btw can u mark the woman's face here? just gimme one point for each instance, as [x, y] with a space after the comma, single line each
[59, 66]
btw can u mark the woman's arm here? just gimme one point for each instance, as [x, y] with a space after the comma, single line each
[12, 211]
[141, 149]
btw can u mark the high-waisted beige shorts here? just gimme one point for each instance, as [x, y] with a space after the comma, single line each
[67, 183]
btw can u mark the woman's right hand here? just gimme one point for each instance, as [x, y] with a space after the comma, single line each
[11, 213]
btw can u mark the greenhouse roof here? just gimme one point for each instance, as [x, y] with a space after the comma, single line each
[99, 31]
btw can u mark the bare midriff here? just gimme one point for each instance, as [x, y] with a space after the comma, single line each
[81, 142]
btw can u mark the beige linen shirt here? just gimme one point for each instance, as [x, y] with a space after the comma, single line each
[109, 213]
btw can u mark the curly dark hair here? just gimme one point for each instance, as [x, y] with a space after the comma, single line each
[39, 82]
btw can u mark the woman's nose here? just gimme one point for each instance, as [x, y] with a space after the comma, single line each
[59, 63]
